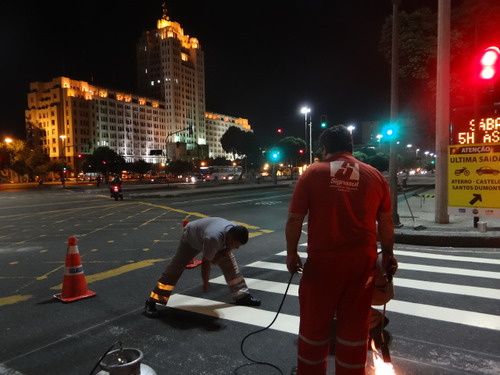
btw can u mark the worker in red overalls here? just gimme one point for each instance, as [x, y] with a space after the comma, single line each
[344, 199]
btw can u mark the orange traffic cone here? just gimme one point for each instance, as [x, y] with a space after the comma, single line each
[74, 284]
[194, 262]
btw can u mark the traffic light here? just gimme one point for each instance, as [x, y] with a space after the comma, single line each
[324, 122]
[274, 155]
[489, 63]
[301, 151]
[390, 132]
[64, 169]
[279, 131]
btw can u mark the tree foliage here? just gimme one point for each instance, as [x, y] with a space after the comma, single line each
[25, 159]
[242, 143]
[104, 160]
[140, 166]
[290, 147]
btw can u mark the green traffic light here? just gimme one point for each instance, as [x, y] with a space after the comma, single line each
[323, 125]
[274, 155]
[390, 132]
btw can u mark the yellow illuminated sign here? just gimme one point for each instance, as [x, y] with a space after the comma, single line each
[474, 180]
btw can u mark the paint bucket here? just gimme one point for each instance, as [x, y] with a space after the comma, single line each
[482, 226]
[126, 361]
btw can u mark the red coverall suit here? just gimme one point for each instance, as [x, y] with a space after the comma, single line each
[342, 197]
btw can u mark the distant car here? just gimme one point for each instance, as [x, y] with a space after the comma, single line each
[160, 180]
[487, 170]
[199, 177]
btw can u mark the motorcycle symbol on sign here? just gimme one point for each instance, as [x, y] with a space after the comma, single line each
[463, 170]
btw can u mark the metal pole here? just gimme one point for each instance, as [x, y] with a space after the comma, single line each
[442, 111]
[305, 128]
[310, 141]
[393, 167]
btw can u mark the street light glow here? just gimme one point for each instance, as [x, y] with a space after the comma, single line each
[305, 111]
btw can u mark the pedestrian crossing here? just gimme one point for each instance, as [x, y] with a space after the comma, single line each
[415, 272]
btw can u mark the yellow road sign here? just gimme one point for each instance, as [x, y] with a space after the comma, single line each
[474, 180]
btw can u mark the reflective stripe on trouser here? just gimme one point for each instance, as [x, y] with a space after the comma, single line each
[172, 272]
[235, 281]
[340, 284]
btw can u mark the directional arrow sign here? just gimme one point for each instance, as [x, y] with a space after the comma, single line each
[477, 197]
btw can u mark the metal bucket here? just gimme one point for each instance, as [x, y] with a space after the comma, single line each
[482, 226]
[126, 361]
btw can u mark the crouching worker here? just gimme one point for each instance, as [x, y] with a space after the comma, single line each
[214, 238]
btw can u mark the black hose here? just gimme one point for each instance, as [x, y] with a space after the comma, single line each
[104, 355]
[255, 362]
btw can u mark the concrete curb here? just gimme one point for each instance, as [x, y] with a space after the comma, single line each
[447, 239]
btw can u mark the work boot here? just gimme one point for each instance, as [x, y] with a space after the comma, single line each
[150, 309]
[248, 300]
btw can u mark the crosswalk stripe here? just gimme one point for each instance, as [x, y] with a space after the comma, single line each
[454, 258]
[465, 290]
[289, 323]
[431, 286]
[264, 285]
[445, 314]
[269, 265]
[449, 270]
[425, 268]
[242, 314]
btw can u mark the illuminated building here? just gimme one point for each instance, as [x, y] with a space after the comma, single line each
[71, 117]
[170, 67]
[166, 121]
[216, 125]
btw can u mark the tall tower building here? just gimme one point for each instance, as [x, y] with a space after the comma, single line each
[167, 120]
[171, 68]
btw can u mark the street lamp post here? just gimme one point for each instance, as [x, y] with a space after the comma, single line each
[305, 111]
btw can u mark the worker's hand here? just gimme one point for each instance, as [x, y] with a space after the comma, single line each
[294, 263]
[389, 264]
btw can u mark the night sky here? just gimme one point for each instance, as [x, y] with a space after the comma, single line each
[264, 60]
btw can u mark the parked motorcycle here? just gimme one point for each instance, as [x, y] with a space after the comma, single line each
[116, 192]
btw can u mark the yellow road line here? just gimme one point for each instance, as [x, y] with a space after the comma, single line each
[13, 299]
[64, 210]
[117, 271]
[259, 232]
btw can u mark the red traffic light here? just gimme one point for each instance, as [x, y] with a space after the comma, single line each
[489, 61]
[280, 130]
[301, 151]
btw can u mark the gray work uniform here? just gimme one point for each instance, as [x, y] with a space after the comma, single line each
[206, 236]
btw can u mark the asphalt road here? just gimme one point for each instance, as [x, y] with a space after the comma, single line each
[444, 318]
